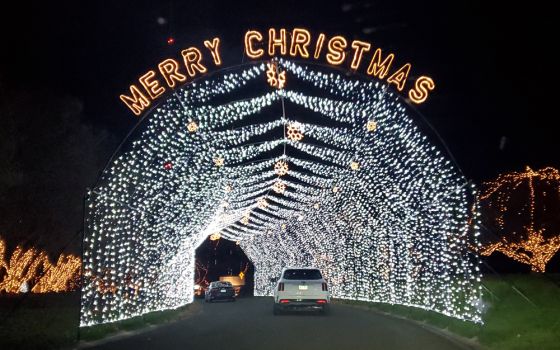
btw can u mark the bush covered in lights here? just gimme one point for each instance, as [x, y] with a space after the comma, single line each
[326, 171]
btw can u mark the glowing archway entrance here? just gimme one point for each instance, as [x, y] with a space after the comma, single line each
[328, 171]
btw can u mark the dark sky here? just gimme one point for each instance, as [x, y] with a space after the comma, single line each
[494, 65]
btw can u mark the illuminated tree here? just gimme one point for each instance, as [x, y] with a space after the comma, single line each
[523, 208]
[32, 267]
[3, 263]
[24, 266]
[60, 277]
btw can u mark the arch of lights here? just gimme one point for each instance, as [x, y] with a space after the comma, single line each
[327, 171]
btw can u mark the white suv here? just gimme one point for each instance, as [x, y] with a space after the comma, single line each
[301, 288]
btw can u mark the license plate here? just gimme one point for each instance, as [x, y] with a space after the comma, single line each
[222, 290]
[302, 287]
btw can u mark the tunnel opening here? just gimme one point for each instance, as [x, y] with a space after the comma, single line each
[220, 259]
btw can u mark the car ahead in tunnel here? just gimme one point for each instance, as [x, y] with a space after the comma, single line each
[219, 290]
[301, 288]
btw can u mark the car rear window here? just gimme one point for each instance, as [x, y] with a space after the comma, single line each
[221, 284]
[302, 274]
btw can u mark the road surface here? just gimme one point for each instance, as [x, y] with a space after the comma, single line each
[249, 324]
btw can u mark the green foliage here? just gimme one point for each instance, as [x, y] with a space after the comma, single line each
[153, 318]
[50, 321]
[46, 321]
[511, 321]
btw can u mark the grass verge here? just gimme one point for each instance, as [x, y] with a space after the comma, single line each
[511, 321]
[97, 332]
[39, 321]
[50, 321]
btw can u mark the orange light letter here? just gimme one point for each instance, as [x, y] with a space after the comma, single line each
[192, 58]
[399, 77]
[422, 87]
[319, 45]
[151, 85]
[137, 103]
[214, 47]
[377, 68]
[359, 48]
[249, 50]
[300, 41]
[273, 41]
[170, 71]
[336, 46]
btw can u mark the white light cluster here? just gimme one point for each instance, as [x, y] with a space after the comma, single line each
[383, 214]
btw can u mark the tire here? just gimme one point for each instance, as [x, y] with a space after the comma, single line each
[325, 310]
[276, 310]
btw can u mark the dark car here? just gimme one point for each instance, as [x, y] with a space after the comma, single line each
[219, 290]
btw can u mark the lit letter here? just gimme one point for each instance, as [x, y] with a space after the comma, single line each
[399, 77]
[170, 71]
[152, 86]
[377, 68]
[273, 41]
[249, 50]
[422, 87]
[192, 58]
[319, 45]
[214, 50]
[137, 103]
[359, 48]
[336, 46]
[300, 40]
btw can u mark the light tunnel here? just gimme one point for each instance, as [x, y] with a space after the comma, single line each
[331, 170]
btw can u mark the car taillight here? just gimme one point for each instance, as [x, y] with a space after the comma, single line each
[284, 301]
[321, 301]
[324, 287]
[280, 287]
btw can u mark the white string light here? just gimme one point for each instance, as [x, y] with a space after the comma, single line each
[351, 187]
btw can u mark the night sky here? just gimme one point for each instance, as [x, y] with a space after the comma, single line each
[494, 65]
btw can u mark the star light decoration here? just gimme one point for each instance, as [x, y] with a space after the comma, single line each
[215, 236]
[262, 203]
[192, 126]
[274, 77]
[218, 161]
[398, 232]
[371, 126]
[279, 187]
[295, 131]
[281, 168]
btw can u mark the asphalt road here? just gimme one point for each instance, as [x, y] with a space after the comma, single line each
[249, 324]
